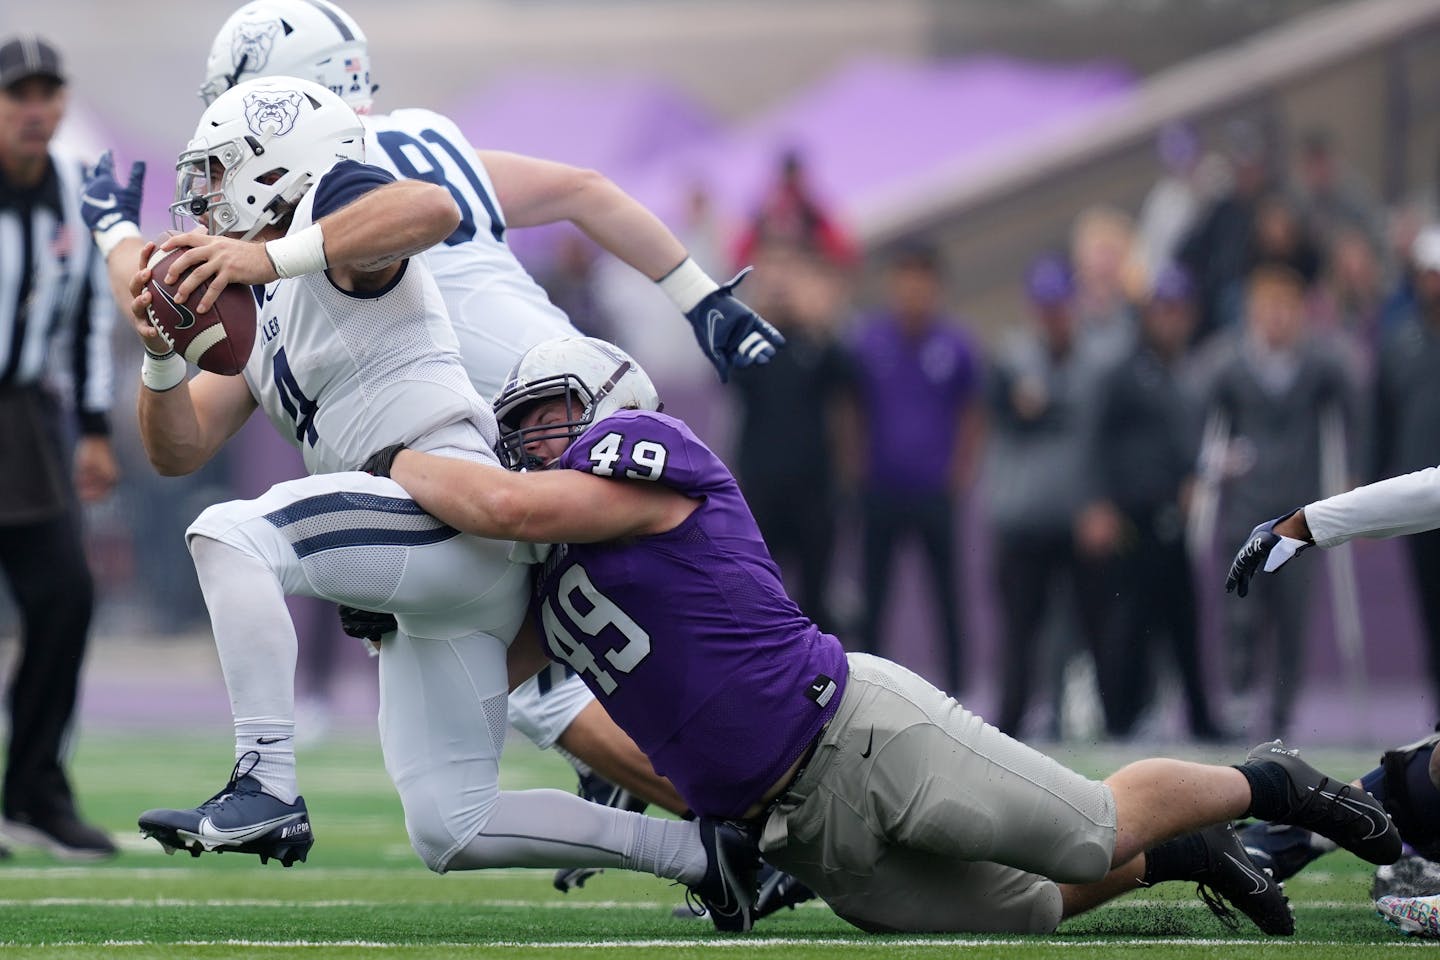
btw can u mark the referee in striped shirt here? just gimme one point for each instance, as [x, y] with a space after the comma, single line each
[55, 317]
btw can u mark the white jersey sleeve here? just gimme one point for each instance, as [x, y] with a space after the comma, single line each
[1389, 508]
[341, 375]
[497, 309]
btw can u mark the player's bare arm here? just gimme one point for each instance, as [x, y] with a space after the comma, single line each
[363, 243]
[534, 192]
[366, 241]
[184, 427]
[553, 506]
[1295, 526]
[185, 424]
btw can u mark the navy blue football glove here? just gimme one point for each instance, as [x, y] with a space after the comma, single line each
[1264, 548]
[108, 207]
[730, 333]
[366, 625]
[382, 460]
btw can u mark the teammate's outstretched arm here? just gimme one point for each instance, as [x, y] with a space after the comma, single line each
[533, 192]
[1394, 507]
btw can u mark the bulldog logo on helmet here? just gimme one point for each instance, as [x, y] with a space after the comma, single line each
[251, 45]
[272, 112]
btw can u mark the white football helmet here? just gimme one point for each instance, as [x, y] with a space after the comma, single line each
[311, 39]
[258, 149]
[597, 378]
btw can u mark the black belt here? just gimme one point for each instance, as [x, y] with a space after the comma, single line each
[806, 756]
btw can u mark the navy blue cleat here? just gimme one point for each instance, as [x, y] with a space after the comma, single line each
[242, 818]
[1332, 808]
[1282, 849]
[779, 890]
[727, 891]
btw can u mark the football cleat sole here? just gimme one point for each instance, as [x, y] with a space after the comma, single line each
[286, 850]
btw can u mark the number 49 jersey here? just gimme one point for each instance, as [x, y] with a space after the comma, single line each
[688, 637]
[496, 307]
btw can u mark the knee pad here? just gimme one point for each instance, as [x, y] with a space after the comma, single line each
[440, 827]
[1403, 785]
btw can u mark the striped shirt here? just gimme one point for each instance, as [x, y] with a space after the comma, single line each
[55, 305]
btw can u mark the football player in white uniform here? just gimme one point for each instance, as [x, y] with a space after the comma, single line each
[498, 311]
[355, 351]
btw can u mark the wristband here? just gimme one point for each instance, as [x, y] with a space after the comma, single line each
[110, 238]
[687, 285]
[298, 255]
[161, 373]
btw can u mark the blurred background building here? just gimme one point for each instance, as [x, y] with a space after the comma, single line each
[818, 138]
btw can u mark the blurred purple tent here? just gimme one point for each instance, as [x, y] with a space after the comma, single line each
[863, 131]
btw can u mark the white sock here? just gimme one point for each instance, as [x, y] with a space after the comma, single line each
[551, 828]
[667, 848]
[256, 643]
[274, 741]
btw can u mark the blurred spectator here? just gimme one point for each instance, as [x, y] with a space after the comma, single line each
[1108, 275]
[1041, 393]
[1333, 199]
[1274, 390]
[1144, 448]
[1349, 302]
[792, 413]
[1176, 199]
[1408, 411]
[1216, 253]
[1281, 235]
[790, 213]
[702, 232]
[569, 280]
[918, 376]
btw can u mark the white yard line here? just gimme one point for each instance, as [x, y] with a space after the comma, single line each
[747, 943]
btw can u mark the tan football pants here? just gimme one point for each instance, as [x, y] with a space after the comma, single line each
[916, 815]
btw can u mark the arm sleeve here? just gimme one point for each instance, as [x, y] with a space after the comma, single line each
[1390, 508]
[90, 360]
[345, 183]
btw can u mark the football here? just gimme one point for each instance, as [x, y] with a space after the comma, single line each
[220, 339]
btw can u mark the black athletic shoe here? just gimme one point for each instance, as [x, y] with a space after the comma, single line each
[1332, 808]
[1282, 849]
[596, 789]
[1230, 876]
[779, 890]
[242, 817]
[63, 835]
[727, 891]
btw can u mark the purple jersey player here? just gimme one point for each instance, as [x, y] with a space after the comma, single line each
[903, 810]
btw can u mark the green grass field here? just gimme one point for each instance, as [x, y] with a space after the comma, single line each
[363, 893]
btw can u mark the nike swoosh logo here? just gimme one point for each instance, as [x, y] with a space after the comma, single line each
[269, 740]
[209, 831]
[869, 745]
[1377, 827]
[1258, 879]
[270, 294]
[187, 318]
[712, 318]
[96, 203]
